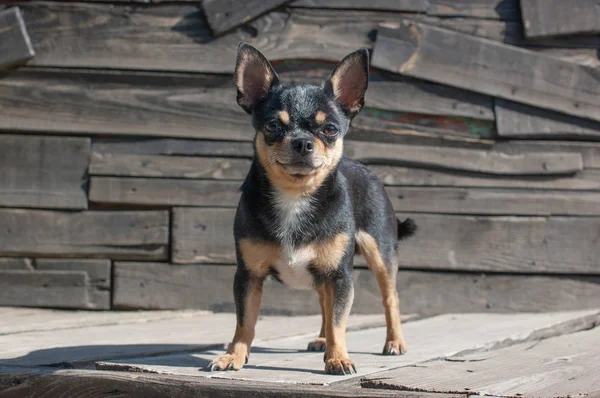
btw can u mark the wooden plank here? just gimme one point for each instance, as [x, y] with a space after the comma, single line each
[439, 337]
[590, 152]
[491, 9]
[48, 172]
[181, 334]
[93, 382]
[61, 289]
[561, 366]
[543, 18]
[168, 166]
[410, 176]
[521, 121]
[494, 201]
[464, 61]
[15, 44]
[166, 105]
[172, 192]
[479, 161]
[163, 286]
[387, 5]
[203, 236]
[16, 263]
[99, 234]
[411, 95]
[175, 147]
[223, 16]
[98, 277]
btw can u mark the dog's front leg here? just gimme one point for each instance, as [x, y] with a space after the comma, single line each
[339, 295]
[247, 290]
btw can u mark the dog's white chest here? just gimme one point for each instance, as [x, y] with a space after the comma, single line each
[292, 267]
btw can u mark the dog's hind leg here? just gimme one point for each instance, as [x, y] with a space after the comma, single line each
[386, 271]
[318, 344]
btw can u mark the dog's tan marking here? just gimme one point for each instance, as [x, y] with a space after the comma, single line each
[239, 349]
[329, 253]
[336, 352]
[386, 279]
[320, 117]
[296, 186]
[319, 343]
[284, 117]
[259, 256]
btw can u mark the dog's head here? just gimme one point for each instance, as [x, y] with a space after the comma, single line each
[299, 128]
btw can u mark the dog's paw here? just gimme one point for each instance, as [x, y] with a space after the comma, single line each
[343, 366]
[317, 344]
[395, 347]
[227, 362]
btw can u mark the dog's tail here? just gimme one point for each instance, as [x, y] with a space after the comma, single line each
[406, 228]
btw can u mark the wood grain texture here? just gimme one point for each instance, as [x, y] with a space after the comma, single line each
[168, 166]
[15, 44]
[163, 286]
[98, 277]
[590, 152]
[561, 366]
[521, 121]
[491, 9]
[411, 176]
[203, 236]
[101, 234]
[494, 201]
[47, 172]
[16, 263]
[171, 192]
[411, 95]
[487, 67]
[387, 5]
[61, 289]
[175, 147]
[473, 160]
[543, 18]
[226, 15]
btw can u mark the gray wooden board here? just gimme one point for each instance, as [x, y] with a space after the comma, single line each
[583, 56]
[590, 152]
[494, 201]
[170, 146]
[98, 272]
[542, 18]
[286, 361]
[387, 5]
[16, 263]
[209, 287]
[15, 45]
[21, 320]
[411, 95]
[492, 9]
[62, 289]
[173, 192]
[565, 366]
[190, 333]
[47, 172]
[225, 15]
[468, 62]
[27, 382]
[103, 234]
[516, 120]
[168, 166]
[410, 176]
[533, 245]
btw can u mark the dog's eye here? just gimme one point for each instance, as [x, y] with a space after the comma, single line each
[273, 126]
[330, 130]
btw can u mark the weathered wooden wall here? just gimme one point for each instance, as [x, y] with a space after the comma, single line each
[122, 148]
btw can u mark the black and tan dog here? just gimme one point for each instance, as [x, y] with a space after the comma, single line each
[306, 209]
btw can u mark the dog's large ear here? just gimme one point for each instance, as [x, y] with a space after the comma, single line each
[254, 77]
[348, 82]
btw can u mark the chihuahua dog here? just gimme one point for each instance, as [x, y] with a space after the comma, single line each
[306, 210]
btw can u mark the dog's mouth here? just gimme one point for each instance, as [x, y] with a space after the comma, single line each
[300, 169]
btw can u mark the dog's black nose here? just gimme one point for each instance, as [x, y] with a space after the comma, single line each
[302, 146]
